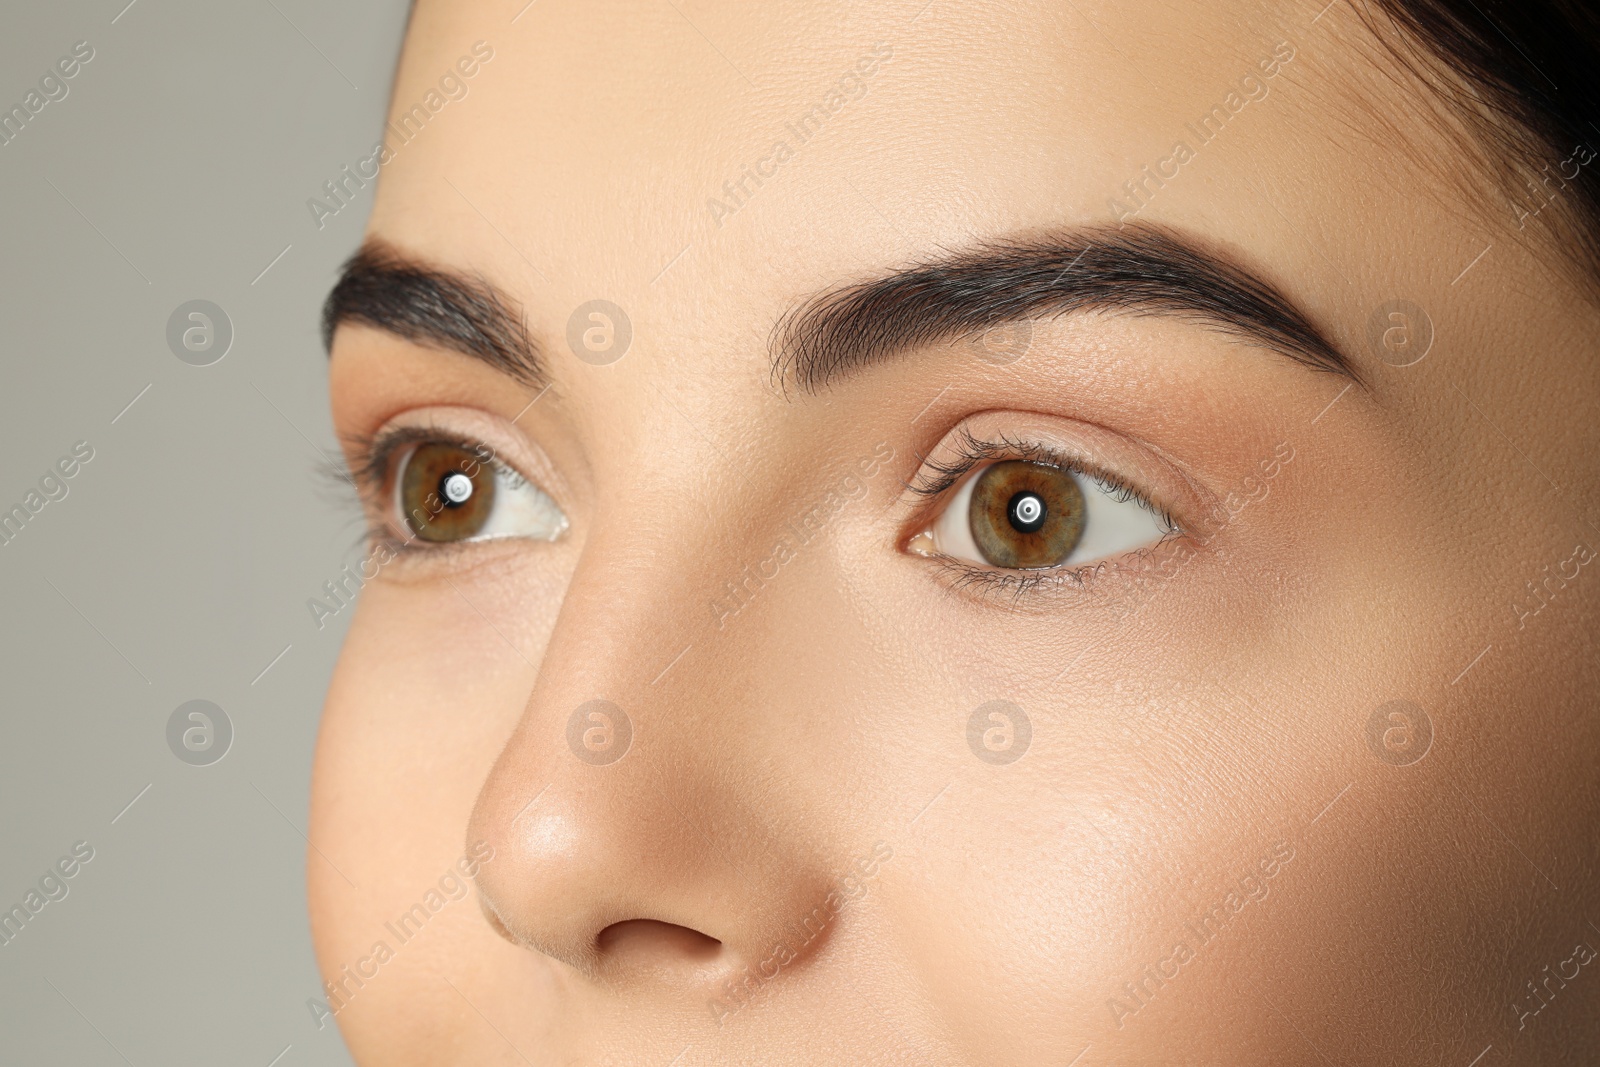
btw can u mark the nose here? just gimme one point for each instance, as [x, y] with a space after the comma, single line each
[638, 831]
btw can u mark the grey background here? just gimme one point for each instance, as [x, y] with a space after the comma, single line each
[179, 564]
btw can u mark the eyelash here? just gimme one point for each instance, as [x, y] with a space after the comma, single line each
[937, 478]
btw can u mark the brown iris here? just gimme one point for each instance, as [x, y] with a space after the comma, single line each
[446, 492]
[1026, 515]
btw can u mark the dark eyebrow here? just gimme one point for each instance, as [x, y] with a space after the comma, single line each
[1142, 270]
[381, 287]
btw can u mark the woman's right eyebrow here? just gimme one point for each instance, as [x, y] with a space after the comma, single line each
[384, 288]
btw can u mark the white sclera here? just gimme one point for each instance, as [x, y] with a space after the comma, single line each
[521, 510]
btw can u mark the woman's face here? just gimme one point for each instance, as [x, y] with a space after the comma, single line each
[1159, 630]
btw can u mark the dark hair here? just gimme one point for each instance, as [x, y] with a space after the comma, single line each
[1527, 81]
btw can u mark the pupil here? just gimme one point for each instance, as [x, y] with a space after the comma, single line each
[1026, 512]
[455, 488]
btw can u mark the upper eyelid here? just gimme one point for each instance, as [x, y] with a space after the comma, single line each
[975, 452]
[372, 454]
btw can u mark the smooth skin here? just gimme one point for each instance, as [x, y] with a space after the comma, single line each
[1194, 735]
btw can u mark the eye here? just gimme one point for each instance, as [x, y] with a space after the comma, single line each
[1025, 515]
[450, 493]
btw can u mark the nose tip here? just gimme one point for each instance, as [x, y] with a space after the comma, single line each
[608, 878]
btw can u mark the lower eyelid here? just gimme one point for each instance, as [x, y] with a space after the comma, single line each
[1127, 571]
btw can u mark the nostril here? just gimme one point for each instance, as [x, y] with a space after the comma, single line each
[649, 939]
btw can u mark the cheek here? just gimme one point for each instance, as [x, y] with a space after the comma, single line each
[423, 678]
[1125, 820]
[421, 702]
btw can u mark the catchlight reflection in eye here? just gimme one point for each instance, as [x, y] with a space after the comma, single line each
[447, 493]
[1022, 515]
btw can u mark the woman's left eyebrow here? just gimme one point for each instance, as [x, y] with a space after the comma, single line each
[1143, 270]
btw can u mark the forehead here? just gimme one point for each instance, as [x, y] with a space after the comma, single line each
[704, 164]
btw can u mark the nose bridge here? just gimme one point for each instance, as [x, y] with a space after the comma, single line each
[628, 790]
